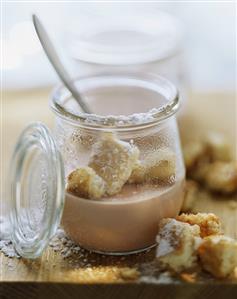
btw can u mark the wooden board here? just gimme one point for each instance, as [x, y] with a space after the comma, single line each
[95, 276]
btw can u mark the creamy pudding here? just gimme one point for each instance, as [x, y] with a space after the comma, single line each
[126, 222]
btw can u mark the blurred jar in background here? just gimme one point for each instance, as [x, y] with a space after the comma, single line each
[139, 40]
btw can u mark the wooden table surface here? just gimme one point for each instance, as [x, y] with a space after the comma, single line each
[94, 276]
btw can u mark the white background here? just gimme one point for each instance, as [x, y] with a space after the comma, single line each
[210, 40]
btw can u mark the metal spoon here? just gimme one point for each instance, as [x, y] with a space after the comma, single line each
[56, 62]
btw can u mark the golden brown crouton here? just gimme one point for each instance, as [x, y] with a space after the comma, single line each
[113, 160]
[222, 177]
[218, 255]
[84, 182]
[218, 147]
[158, 166]
[177, 244]
[209, 223]
[192, 152]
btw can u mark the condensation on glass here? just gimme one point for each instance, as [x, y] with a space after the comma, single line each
[141, 109]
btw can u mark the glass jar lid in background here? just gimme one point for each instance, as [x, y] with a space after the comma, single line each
[119, 39]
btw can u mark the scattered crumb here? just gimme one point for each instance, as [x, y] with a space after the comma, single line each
[222, 177]
[5, 228]
[189, 277]
[6, 246]
[209, 223]
[218, 147]
[198, 173]
[129, 273]
[98, 274]
[160, 278]
[210, 163]
[218, 255]
[232, 204]
[63, 244]
[180, 247]
[192, 152]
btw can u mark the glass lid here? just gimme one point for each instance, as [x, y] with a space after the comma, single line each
[131, 37]
[37, 190]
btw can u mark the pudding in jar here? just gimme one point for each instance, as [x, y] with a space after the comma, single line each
[124, 166]
[107, 177]
[124, 223]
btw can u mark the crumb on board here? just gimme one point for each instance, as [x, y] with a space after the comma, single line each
[180, 249]
[189, 277]
[209, 223]
[193, 151]
[129, 273]
[102, 274]
[218, 255]
[198, 173]
[209, 161]
[218, 146]
[177, 244]
[222, 177]
[232, 204]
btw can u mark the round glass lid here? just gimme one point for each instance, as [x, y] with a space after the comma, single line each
[37, 190]
[131, 37]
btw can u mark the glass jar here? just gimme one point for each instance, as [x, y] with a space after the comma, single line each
[145, 40]
[129, 146]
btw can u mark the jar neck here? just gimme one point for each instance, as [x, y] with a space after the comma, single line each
[64, 106]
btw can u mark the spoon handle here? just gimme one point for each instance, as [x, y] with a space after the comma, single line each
[56, 62]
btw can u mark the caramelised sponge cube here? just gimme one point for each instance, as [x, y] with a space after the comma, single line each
[222, 177]
[113, 160]
[84, 182]
[193, 151]
[138, 174]
[157, 166]
[218, 255]
[177, 244]
[160, 165]
[209, 223]
[198, 173]
[218, 147]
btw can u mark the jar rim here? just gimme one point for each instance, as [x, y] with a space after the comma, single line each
[120, 122]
